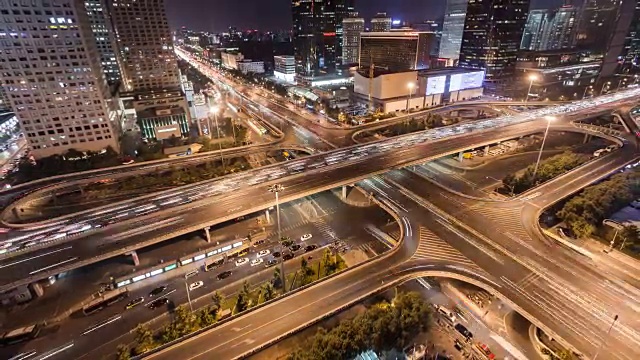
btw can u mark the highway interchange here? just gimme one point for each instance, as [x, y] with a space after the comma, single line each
[494, 265]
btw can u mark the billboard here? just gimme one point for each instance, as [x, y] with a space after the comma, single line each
[470, 80]
[436, 84]
[165, 132]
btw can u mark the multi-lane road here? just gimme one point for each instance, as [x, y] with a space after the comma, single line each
[133, 224]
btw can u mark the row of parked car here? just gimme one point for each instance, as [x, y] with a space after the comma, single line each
[606, 150]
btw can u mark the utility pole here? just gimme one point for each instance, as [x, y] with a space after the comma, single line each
[606, 337]
[276, 188]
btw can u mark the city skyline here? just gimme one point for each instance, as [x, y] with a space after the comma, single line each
[276, 14]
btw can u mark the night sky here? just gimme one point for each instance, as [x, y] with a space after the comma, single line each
[218, 15]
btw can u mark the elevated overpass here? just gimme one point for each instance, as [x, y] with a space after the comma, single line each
[242, 194]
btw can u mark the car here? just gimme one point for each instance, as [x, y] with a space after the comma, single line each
[610, 148]
[305, 237]
[464, 331]
[310, 247]
[196, 285]
[287, 243]
[224, 275]
[258, 243]
[157, 303]
[635, 204]
[458, 345]
[288, 256]
[599, 152]
[256, 262]
[264, 253]
[271, 263]
[157, 291]
[295, 247]
[243, 252]
[276, 254]
[241, 261]
[135, 302]
[484, 350]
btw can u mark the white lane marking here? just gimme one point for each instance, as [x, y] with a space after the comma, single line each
[55, 351]
[54, 265]
[104, 323]
[35, 257]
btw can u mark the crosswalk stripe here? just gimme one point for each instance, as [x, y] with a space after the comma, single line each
[434, 248]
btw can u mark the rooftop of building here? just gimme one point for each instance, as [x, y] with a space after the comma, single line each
[161, 111]
[428, 72]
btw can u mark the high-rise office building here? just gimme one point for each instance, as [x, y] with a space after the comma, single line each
[145, 45]
[452, 28]
[623, 53]
[550, 29]
[149, 66]
[596, 23]
[491, 39]
[396, 50]
[52, 75]
[317, 34]
[533, 29]
[381, 23]
[105, 39]
[352, 28]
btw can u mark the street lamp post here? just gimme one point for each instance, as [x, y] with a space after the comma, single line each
[544, 139]
[411, 86]
[276, 188]
[532, 78]
[188, 293]
[604, 340]
[214, 110]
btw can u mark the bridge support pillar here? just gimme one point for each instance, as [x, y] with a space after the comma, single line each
[267, 217]
[207, 234]
[460, 156]
[344, 191]
[587, 138]
[486, 150]
[134, 257]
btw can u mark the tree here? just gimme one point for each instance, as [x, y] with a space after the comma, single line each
[244, 301]
[630, 235]
[306, 272]
[277, 278]
[207, 316]
[144, 339]
[565, 355]
[268, 292]
[216, 301]
[123, 352]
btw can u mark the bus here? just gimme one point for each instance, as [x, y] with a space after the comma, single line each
[257, 127]
[19, 335]
[105, 300]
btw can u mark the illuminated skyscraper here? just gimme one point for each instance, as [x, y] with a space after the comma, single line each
[352, 28]
[596, 24]
[550, 29]
[105, 39]
[52, 75]
[452, 28]
[491, 39]
[381, 23]
[317, 34]
[623, 54]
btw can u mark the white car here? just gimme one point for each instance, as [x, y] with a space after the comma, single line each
[599, 152]
[305, 237]
[242, 261]
[256, 262]
[264, 253]
[196, 285]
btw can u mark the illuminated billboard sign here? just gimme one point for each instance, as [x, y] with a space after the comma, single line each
[436, 84]
[469, 80]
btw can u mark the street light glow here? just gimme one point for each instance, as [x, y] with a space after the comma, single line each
[533, 77]
[214, 109]
[411, 85]
[550, 118]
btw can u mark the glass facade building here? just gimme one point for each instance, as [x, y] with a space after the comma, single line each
[452, 28]
[396, 50]
[317, 34]
[550, 29]
[491, 39]
[352, 28]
